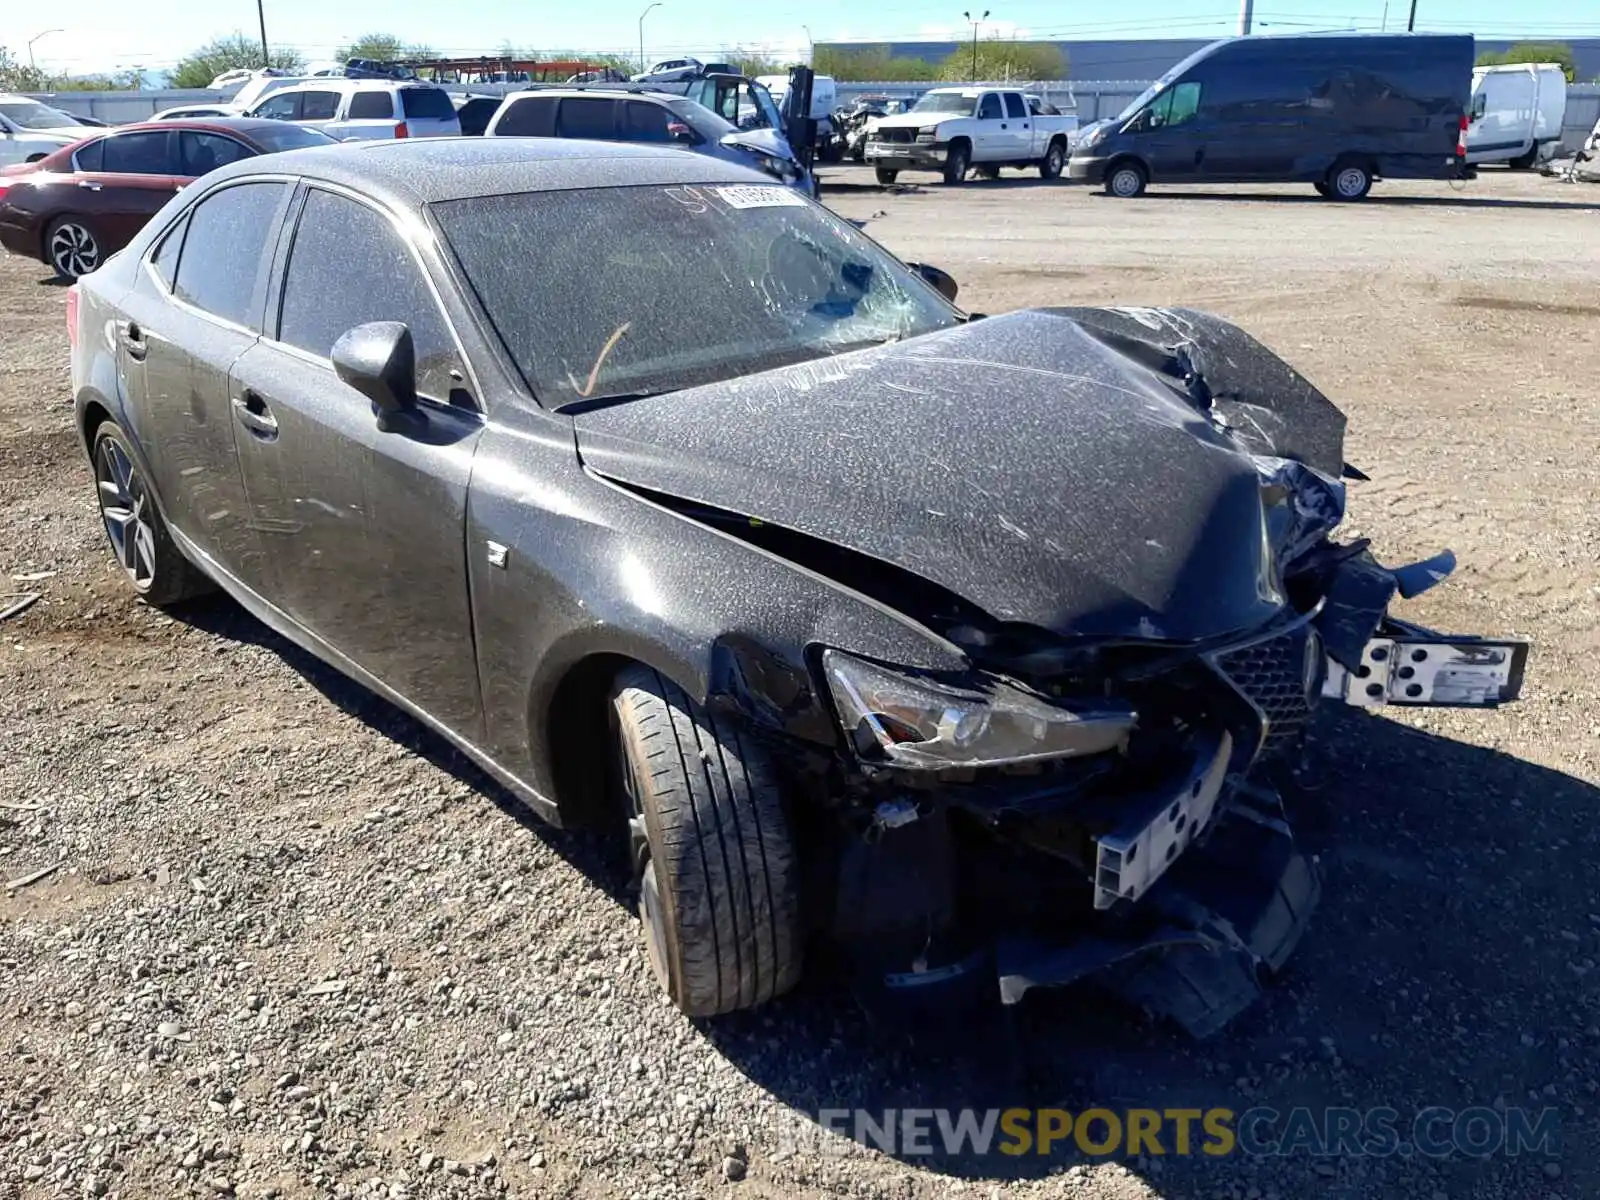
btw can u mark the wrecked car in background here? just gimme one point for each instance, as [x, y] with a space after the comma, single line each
[957, 641]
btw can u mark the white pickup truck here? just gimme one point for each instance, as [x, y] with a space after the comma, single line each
[957, 129]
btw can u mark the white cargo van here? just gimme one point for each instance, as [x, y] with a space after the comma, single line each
[1517, 111]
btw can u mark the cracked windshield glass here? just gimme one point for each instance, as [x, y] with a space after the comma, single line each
[635, 291]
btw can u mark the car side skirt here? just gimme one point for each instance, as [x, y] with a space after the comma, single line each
[284, 625]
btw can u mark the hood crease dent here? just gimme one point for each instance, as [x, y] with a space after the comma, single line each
[1061, 471]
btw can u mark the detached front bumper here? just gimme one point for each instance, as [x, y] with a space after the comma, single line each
[1087, 169]
[907, 156]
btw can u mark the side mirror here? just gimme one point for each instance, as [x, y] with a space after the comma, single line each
[943, 282]
[379, 360]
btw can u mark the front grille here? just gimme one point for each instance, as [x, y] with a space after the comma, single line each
[894, 135]
[1272, 676]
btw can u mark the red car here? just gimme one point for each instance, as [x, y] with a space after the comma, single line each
[75, 208]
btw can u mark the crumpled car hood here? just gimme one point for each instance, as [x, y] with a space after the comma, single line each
[1041, 469]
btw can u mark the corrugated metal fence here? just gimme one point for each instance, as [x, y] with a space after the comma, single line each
[1090, 99]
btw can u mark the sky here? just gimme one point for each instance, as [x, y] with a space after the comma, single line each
[105, 35]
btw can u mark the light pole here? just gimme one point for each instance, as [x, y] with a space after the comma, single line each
[975, 24]
[642, 16]
[1411, 22]
[811, 47]
[34, 39]
[261, 15]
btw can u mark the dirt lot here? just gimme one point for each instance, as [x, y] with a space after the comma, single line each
[295, 946]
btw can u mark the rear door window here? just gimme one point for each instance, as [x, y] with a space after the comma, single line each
[644, 122]
[140, 154]
[371, 106]
[427, 104]
[227, 250]
[350, 266]
[91, 157]
[201, 152]
[1014, 105]
[528, 118]
[588, 118]
[318, 106]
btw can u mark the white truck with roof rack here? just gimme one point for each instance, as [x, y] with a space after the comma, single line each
[1518, 110]
[956, 129]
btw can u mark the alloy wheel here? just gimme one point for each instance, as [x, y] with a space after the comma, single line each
[73, 250]
[125, 508]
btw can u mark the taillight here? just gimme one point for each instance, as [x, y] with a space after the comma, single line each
[401, 131]
[1461, 138]
[72, 316]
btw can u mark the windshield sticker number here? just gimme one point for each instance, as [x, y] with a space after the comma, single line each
[750, 195]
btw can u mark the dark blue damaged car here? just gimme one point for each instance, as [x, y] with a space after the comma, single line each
[958, 643]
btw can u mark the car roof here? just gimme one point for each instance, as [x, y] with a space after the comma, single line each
[409, 173]
[638, 91]
[324, 83]
[244, 125]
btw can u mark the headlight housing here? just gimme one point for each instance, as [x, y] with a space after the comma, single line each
[1092, 139]
[780, 168]
[928, 133]
[920, 724]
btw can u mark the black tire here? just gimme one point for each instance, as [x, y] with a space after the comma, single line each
[72, 247]
[139, 539]
[1322, 187]
[1524, 162]
[1055, 158]
[1349, 180]
[1126, 180]
[886, 176]
[986, 172]
[710, 849]
[957, 162]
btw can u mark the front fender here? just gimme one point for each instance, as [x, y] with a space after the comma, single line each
[593, 571]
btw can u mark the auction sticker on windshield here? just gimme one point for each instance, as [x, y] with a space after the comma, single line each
[754, 195]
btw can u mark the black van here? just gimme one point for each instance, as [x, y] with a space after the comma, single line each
[1333, 110]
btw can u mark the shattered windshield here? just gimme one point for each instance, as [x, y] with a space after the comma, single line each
[631, 291]
[945, 102]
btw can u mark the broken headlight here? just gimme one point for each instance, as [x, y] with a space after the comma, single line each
[922, 724]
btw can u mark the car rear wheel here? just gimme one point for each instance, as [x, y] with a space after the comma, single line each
[1322, 188]
[1126, 180]
[1349, 181]
[710, 849]
[1055, 158]
[886, 176]
[139, 539]
[72, 247]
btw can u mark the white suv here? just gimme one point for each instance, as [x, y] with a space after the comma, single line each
[362, 109]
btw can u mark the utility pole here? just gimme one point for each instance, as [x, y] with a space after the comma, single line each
[261, 12]
[32, 66]
[642, 67]
[975, 24]
[1247, 13]
[1411, 23]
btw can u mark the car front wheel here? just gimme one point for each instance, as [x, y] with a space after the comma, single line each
[886, 176]
[709, 847]
[139, 539]
[1126, 181]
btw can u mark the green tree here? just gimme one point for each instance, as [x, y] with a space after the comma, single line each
[870, 64]
[999, 60]
[383, 47]
[199, 67]
[17, 77]
[749, 63]
[1534, 52]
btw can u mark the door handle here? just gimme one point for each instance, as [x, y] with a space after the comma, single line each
[1003, 125]
[88, 185]
[132, 339]
[251, 411]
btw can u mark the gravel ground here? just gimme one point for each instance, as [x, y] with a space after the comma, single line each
[294, 946]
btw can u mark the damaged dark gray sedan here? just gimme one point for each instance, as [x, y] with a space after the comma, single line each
[955, 642]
